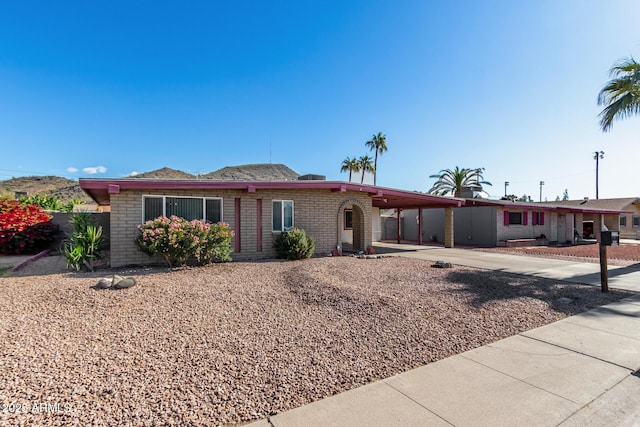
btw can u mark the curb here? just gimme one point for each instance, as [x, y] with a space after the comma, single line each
[30, 260]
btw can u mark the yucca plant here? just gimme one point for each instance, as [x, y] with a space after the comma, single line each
[83, 245]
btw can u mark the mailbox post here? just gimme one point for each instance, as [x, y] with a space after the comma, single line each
[607, 238]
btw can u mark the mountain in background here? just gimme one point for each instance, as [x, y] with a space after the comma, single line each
[165, 173]
[68, 189]
[255, 172]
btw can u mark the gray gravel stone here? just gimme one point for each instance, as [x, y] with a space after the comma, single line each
[236, 342]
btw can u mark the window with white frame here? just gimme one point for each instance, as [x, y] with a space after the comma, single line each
[636, 220]
[282, 216]
[207, 209]
[623, 221]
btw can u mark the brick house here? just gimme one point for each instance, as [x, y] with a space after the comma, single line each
[335, 213]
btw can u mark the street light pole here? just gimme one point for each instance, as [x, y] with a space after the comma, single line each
[506, 184]
[597, 155]
[541, 184]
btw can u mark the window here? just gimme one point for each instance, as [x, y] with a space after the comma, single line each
[189, 208]
[516, 218]
[623, 221]
[636, 220]
[348, 219]
[282, 217]
[537, 218]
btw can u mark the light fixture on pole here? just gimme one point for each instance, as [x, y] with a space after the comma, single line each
[506, 184]
[541, 184]
[597, 155]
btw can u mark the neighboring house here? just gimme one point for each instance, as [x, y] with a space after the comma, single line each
[336, 213]
[629, 221]
[484, 222]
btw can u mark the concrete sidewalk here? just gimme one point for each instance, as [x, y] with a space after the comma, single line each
[579, 371]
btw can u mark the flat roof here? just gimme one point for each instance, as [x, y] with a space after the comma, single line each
[547, 206]
[100, 190]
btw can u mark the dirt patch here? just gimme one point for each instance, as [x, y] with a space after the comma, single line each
[240, 341]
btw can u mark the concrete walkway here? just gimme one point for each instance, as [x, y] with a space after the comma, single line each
[10, 261]
[580, 371]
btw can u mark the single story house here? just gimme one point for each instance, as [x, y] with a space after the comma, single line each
[335, 213]
[484, 222]
[629, 221]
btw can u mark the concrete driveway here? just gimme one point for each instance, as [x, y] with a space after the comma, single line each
[571, 271]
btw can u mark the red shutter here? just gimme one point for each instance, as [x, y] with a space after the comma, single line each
[506, 218]
[541, 218]
[525, 218]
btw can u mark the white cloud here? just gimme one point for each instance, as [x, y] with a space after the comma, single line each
[71, 169]
[134, 173]
[94, 170]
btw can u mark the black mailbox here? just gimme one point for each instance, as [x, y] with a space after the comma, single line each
[610, 238]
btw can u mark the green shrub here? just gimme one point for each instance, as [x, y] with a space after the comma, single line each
[50, 203]
[84, 244]
[24, 228]
[179, 240]
[294, 244]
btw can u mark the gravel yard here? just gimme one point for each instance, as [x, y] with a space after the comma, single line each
[237, 342]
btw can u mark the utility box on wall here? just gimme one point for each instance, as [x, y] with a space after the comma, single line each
[610, 238]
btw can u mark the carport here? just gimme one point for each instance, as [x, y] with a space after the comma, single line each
[407, 200]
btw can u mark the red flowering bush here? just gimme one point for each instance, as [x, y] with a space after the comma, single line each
[24, 228]
[179, 240]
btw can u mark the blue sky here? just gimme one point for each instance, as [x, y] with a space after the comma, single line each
[116, 87]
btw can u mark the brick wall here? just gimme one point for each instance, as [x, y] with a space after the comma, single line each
[318, 212]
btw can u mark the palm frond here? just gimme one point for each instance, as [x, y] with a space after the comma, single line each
[621, 95]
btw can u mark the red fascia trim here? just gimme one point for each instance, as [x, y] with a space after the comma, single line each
[418, 199]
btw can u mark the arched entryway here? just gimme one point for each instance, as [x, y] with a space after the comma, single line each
[352, 226]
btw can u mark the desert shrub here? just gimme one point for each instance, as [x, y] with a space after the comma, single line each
[178, 240]
[294, 244]
[50, 203]
[83, 245]
[24, 228]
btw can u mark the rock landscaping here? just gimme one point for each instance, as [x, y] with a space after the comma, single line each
[235, 342]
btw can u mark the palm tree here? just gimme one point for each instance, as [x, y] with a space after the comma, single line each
[379, 144]
[365, 165]
[452, 181]
[351, 165]
[621, 95]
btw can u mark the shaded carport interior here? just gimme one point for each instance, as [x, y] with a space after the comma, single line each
[401, 200]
